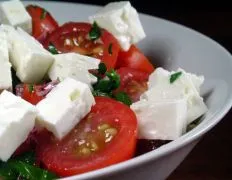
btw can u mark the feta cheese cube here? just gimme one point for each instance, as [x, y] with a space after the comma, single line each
[28, 57]
[14, 13]
[187, 86]
[164, 120]
[122, 20]
[5, 66]
[17, 119]
[64, 107]
[75, 66]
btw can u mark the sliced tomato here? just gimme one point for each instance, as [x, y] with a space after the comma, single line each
[42, 22]
[74, 37]
[107, 135]
[133, 82]
[34, 93]
[134, 58]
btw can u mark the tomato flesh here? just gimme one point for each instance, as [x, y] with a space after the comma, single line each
[42, 22]
[133, 82]
[96, 142]
[74, 37]
[134, 58]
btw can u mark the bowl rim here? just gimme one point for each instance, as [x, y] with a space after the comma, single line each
[185, 139]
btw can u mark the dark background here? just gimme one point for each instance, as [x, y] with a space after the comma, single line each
[211, 158]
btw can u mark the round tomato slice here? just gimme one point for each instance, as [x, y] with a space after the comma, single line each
[135, 59]
[42, 22]
[74, 37]
[133, 82]
[107, 135]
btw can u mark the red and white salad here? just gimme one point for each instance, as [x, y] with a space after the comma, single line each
[80, 96]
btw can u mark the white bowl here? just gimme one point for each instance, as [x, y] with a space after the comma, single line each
[172, 46]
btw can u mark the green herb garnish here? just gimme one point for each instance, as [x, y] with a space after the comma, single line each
[30, 88]
[102, 68]
[175, 76]
[43, 14]
[123, 97]
[99, 93]
[23, 167]
[52, 49]
[95, 32]
[110, 49]
[114, 78]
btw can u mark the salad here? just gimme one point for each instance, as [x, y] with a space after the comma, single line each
[82, 96]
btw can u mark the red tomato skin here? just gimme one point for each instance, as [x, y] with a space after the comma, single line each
[41, 26]
[107, 39]
[121, 148]
[134, 58]
[133, 82]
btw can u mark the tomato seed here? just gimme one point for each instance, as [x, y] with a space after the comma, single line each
[85, 151]
[103, 127]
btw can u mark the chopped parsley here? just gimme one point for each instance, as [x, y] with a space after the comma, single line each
[30, 88]
[110, 49]
[123, 97]
[52, 49]
[95, 32]
[43, 14]
[175, 76]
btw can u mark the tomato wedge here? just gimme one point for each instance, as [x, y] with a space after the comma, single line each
[133, 82]
[104, 137]
[42, 22]
[134, 58]
[74, 37]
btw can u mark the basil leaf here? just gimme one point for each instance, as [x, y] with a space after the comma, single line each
[52, 49]
[110, 51]
[43, 14]
[175, 76]
[30, 88]
[103, 85]
[95, 32]
[102, 68]
[123, 97]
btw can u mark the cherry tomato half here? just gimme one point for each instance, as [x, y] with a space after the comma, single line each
[42, 22]
[74, 37]
[134, 58]
[104, 137]
[133, 82]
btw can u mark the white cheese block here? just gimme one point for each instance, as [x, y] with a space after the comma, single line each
[28, 57]
[14, 13]
[17, 119]
[64, 107]
[164, 120]
[187, 86]
[5, 66]
[75, 66]
[122, 20]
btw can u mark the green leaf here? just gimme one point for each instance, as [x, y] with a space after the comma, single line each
[114, 78]
[123, 97]
[110, 49]
[43, 14]
[99, 93]
[103, 85]
[30, 88]
[52, 49]
[22, 167]
[95, 32]
[102, 68]
[175, 76]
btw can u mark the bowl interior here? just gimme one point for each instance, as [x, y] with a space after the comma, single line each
[171, 46]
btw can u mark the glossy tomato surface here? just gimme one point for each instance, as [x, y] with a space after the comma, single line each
[133, 82]
[134, 58]
[42, 22]
[107, 135]
[74, 37]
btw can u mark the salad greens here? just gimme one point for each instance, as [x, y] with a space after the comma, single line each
[23, 167]
[108, 81]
